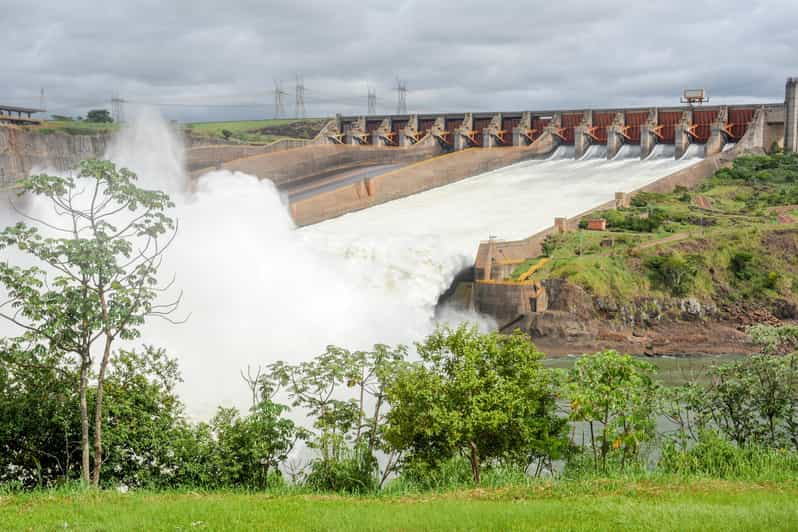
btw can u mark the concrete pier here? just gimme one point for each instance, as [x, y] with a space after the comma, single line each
[791, 116]
[681, 139]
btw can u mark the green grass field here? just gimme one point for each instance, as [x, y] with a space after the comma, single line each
[75, 127]
[257, 131]
[585, 505]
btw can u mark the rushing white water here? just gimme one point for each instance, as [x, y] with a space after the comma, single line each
[259, 290]
[729, 146]
[595, 151]
[694, 150]
[662, 151]
[628, 151]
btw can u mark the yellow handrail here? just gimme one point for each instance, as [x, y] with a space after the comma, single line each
[532, 269]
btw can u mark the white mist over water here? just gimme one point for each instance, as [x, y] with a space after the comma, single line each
[259, 290]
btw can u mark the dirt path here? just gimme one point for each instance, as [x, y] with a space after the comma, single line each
[703, 202]
[667, 240]
[783, 214]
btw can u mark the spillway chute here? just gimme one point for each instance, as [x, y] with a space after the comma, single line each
[594, 151]
[694, 151]
[627, 151]
[562, 152]
[662, 151]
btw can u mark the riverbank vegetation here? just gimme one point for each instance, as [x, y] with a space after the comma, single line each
[473, 425]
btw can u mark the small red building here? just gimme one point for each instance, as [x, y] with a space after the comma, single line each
[599, 224]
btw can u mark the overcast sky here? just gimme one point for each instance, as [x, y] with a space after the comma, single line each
[453, 55]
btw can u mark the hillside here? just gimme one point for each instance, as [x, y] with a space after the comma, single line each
[724, 253]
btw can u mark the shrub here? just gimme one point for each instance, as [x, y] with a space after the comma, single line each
[614, 395]
[674, 272]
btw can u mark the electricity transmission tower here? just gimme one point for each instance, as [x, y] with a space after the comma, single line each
[401, 91]
[279, 106]
[300, 98]
[117, 109]
[41, 100]
[372, 102]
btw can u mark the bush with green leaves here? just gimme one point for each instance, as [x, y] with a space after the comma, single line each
[482, 396]
[613, 395]
[673, 272]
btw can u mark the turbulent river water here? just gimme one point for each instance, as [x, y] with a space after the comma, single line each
[257, 289]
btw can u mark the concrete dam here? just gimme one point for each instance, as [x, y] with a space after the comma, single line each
[359, 162]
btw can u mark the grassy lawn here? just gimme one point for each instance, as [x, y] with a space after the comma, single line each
[257, 131]
[585, 505]
[75, 127]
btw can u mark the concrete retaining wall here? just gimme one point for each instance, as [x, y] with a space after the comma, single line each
[411, 179]
[298, 164]
[207, 157]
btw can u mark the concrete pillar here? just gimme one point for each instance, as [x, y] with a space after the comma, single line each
[519, 132]
[408, 135]
[615, 135]
[791, 116]
[461, 140]
[355, 132]
[489, 139]
[647, 138]
[681, 139]
[621, 200]
[717, 136]
[380, 136]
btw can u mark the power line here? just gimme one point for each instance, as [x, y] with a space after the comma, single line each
[299, 106]
[401, 91]
[117, 109]
[279, 106]
[372, 102]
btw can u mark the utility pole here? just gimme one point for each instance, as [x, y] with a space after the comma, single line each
[372, 102]
[401, 90]
[279, 106]
[117, 109]
[299, 106]
[41, 100]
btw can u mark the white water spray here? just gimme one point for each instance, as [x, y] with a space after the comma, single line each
[259, 290]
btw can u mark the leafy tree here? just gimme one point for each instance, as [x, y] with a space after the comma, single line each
[484, 396]
[97, 281]
[755, 400]
[346, 434]
[250, 449]
[614, 395]
[674, 271]
[99, 116]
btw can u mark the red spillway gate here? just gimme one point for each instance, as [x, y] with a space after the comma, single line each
[424, 125]
[569, 122]
[667, 122]
[634, 120]
[538, 125]
[601, 124]
[702, 125]
[508, 124]
[738, 122]
[479, 125]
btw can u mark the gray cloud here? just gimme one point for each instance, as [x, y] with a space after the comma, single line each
[454, 55]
